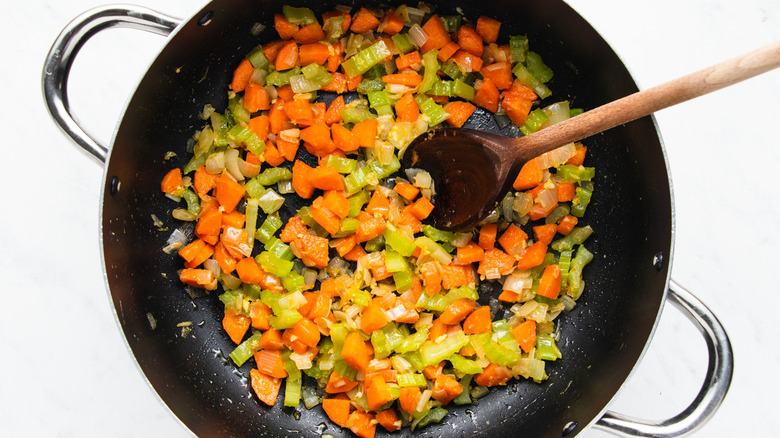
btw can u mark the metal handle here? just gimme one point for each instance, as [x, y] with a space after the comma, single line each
[67, 45]
[713, 391]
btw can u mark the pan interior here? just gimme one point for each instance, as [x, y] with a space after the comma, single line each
[601, 340]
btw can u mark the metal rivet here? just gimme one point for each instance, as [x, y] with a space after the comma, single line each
[569, 428]
[206, 18]
[114, 185]
[658, 261]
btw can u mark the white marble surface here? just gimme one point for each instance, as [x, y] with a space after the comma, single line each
[66, 371]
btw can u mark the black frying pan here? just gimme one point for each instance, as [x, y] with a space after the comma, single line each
[602, 339]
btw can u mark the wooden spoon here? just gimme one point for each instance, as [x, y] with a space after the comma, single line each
[473, 170]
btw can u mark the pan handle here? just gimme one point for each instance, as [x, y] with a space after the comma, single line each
[60, 58]
[713, 391]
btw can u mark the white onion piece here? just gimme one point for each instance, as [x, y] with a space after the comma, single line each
[247, 169]
[290, 135]
[415, 15]
[548, 198]
[417, 35]
[272, 94]
[231, 282]
[556, 113]
[556, 157]
[231, 164]
[517, 281]
[343, 8]
[213, 266]
[522, 204]
[461, 239]
[285, 186]
[258, 77]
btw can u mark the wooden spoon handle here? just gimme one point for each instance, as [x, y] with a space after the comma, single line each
[648, 101]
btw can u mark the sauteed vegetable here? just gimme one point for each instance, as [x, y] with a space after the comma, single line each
[352, 300]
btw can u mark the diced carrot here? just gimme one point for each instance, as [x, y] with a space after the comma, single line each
[406, 109]
[323, 216]
[550, 283]
[301, 173]
[533, 256]
[288, 56]
[567, 224]
[545, 233]
[410, 60]
[271, 154]
[408, 79]
[408, 399]
[447, 51]
[196, 252]
[467, 62]
[470, 41]
[488, 29]
[266, 387]
[203, 181]
[309, 34]
[493, 375]
[431, 278]
[307, 332]
[392, 23]
[293, 229]
[408, 191]
[172, 181]
[373, 318]
[202, 278]
[299, 111]
[313, 250]
[209, 226]
[530, 176]
[508, 296]
[378, 205]
[437, 34]
[317, 139]
[256, 98]
[453, 275]
[525, 334]
[470, 253]
[377, 393]
[345, 245]
[410, 221]
[342, 138]
[234, 241]
[293, 343]
[337, 409]
[270, 362]
[277, 119]
[284, 28]
[457, 311]
[369, 227]
[228, 192]
[487, 96]
[333, 115]
[353, 82]
[235, 325]
[271, 339]
[249, 271]
[500, 73]
[364, 21]
[315, 53]
[513, 240]
[226, 261]
[326, 178]
[479, 321]
[389, 420]
[445, 389]
[421, 208]
[538, 212]
[337, 384]
[241, 75]
[579, 155]
[364, 133]
[336, 202]
[565, 192]
[362, 424]
[487, 236]
[320, 308]
[354, 352]
[459, 112]
[271, 50]
[517, 108]
[288, 149]
[495, 264]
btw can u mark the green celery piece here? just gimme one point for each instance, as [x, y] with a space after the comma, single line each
[581, 258]
[270, 201]
[273, 175]
[282, 78]
[431, 67]
[433, 249]
[273, 264]
[537, 67]
[451, 22]
[253, 188]
[356, 115]
[431, 109]
[230, 299]
[564, 263]
[442, 88]
[375, 72]
[379, 98]
[501, 355]
[580, 202]
[193, 202]
[415, 360]
[293, 281]
[403, 280]
[557, 214]
[299, 16]
[393, 335]
[368, 85]
[293, 383]
[383, 171]
[452, 70]
[435, 415]
[411, 379]
[394, 262]
[342, 165]
[433, 353]
[413, 342]
[457, 293]
[534, 122]
[305, 214]
[269, 227]
[281, 249]
[246, 349]
[357, 201]
[575, 112]
[347, 226]
[437, 234]
[375, 244]
[258, 59]
[365, 59]
[546, 348]
[466, 366]
[286, 319]
[530, 80]
[479, 392]
[236, 107]
[242, 134]
[335, 26]
[252, 291]
[577, 236]
[436, 302]
[361, 297]
[317, 74]
[398, 241]
[570, 172]
[379, 342]
[338, 333]
[518, 48]
[463, 90]
[402, 43]
[464, 398]
[269, 297]
[342, 369]
[250, 222]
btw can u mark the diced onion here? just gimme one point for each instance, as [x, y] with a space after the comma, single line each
[258, 77]
[556, 157]
[415, 16]
[517, 281]
[523, 203]
[231, 164]
[417, 36]
[285, 186]
[247, 169]
[556, 113]
[548, 198]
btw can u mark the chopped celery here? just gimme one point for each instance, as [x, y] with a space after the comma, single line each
[411, 379]
[281, 249]
[375, 244]
[361, 297]
[269, 227]
[576, 237]
[415, 360]
[433, 353]
[398, 241]
[458, 293]
[413, 342]
[403, 280]
[253, 188]
[546, 348]
[383, 171]
[536, 67]
[379, 342]
[500, 354]
[335, 27]
[356, 115]
[452, 70]
[273, 264]
[394, 336]
[270, 201]
[342, 164]
[441, 88]
[375, 72]
[464, 398]
[242, 134]
[530, 80]
[534, 121]
[580, 202]
[435, 415]
[357, 201]
[246, 349]
[402, 43]
[437, 234]
[435, 250]
[394, 262]
[431, 109]
[435, 303]
[365, 59]
[582, 258]
[451, 22]
[431, 66]
[338, 333]
[237, 110]
[557, 214]
[368, 85]
[193, 202]
[293, 281]
[293, 383]
[250, 223]
[518, 48]
[463, 90]
[258, 59]
[564, 263]
[299, 16]
[285, 319]
[466, 366]
[570, 172]
[273, 175]
[347, 226]
[282, 78]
